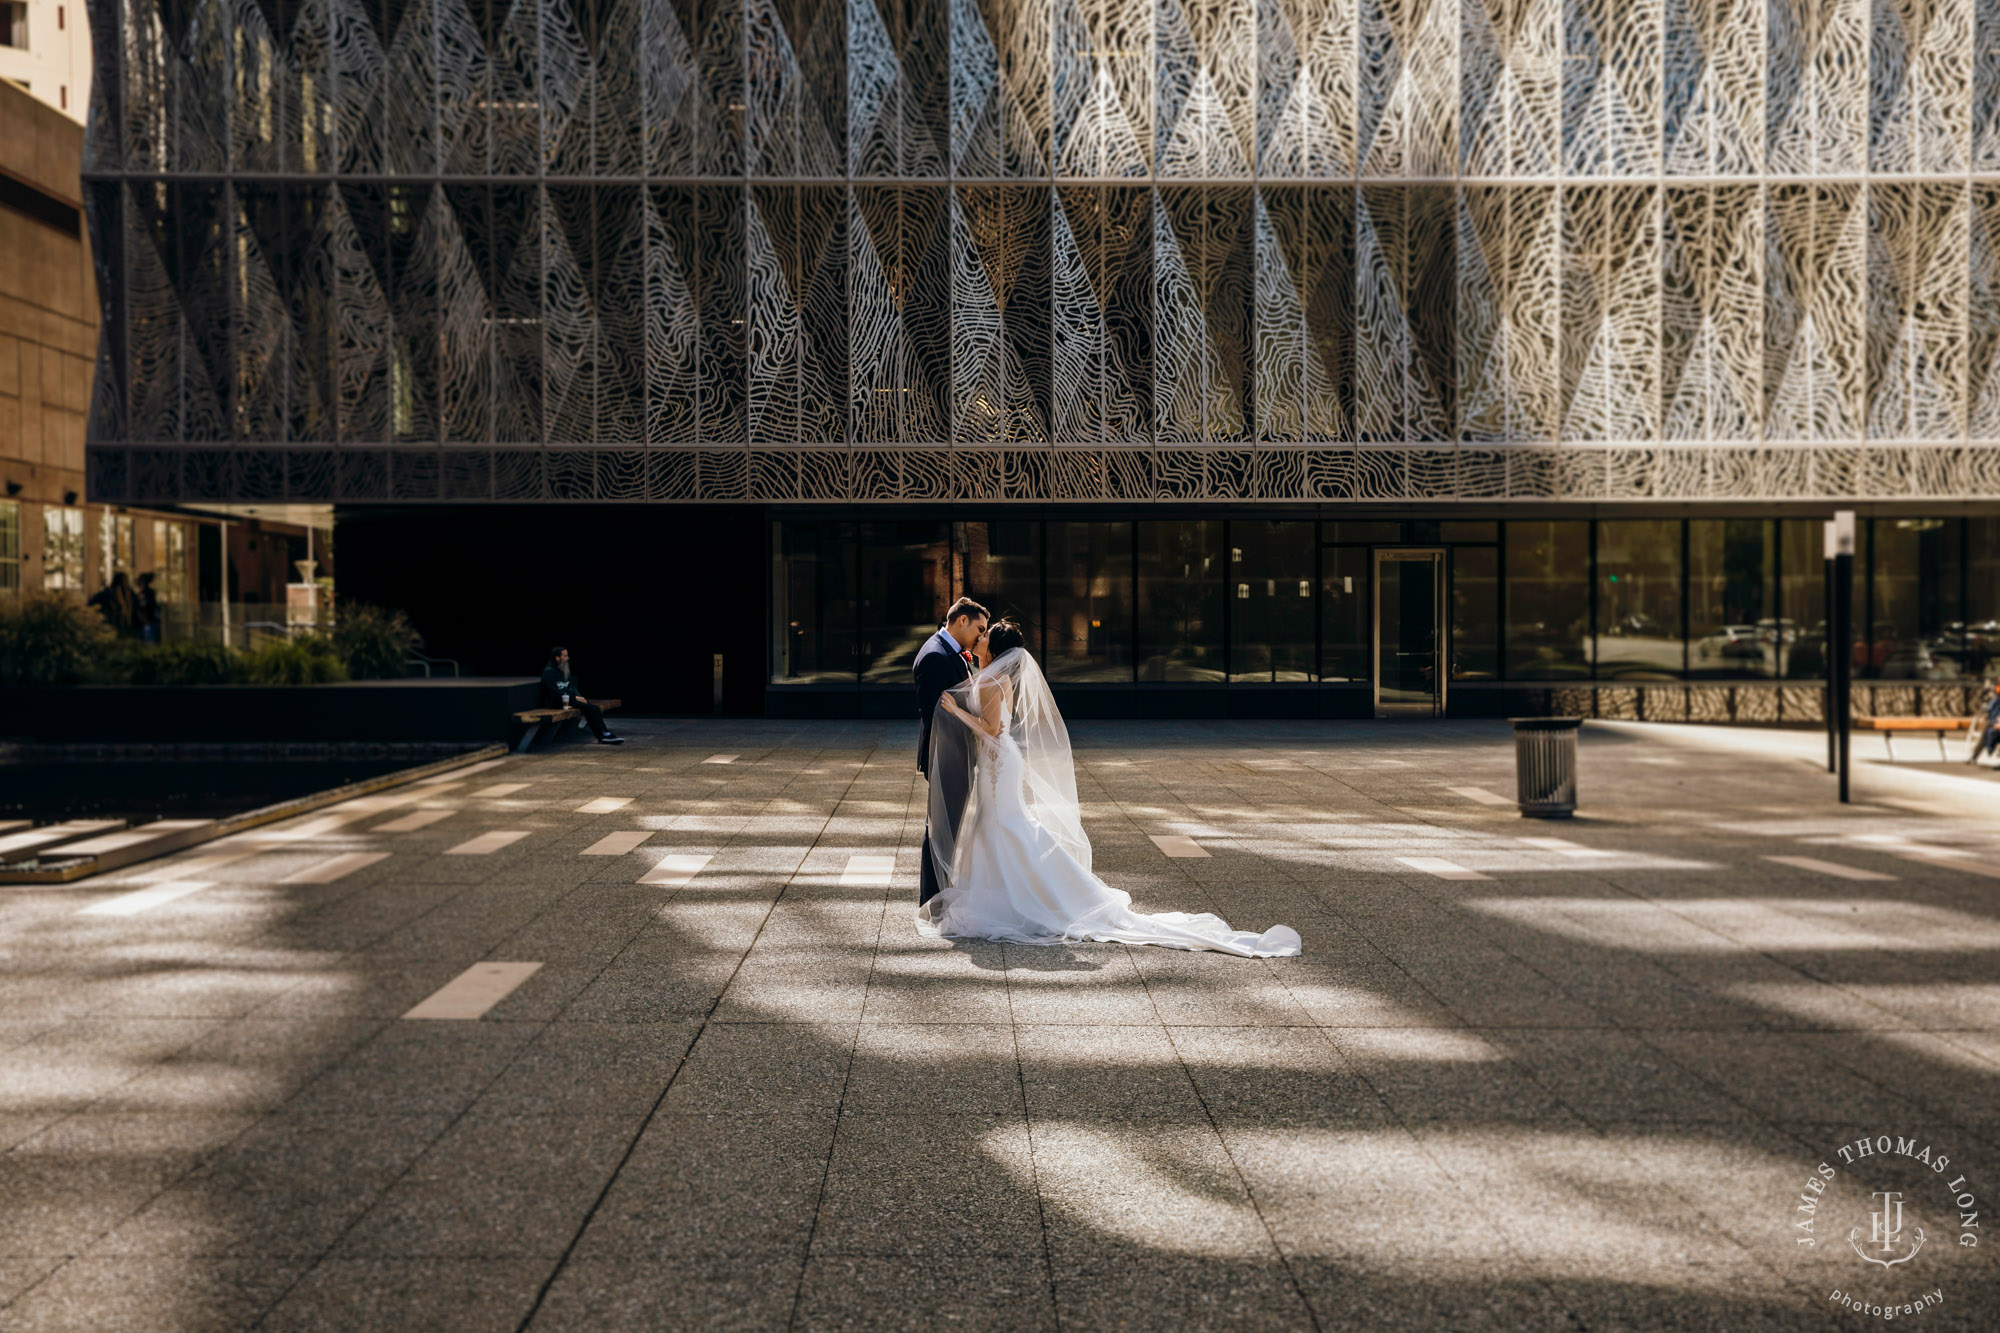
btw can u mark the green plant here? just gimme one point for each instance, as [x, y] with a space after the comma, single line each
[306, 660]
[185, 662]
[374, 643]
[50, 638]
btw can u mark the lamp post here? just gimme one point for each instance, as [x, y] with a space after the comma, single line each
[1832, 550]
[1843, 633]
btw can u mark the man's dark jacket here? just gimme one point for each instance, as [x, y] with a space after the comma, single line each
[938, 667]
[555, 684]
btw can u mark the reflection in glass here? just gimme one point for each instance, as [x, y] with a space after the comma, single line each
[1003, 573]
[1180, 601]
[1916, 631]
[1475, 612]
[813, 602]
[905, 588]
[1548, 599]
[1270, 601]
[1345, 648]
[1802, 597]
[1639, 599]
[1733, 629]
[1089, 622]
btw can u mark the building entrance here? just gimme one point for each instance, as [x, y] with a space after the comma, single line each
[1409, 633]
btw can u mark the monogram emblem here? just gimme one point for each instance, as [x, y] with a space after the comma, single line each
[1885, 1229]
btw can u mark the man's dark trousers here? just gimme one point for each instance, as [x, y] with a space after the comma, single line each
[938, 667]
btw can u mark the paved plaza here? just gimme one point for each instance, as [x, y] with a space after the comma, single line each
[644, 1038]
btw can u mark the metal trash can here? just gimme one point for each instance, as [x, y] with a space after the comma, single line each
[1545, 765]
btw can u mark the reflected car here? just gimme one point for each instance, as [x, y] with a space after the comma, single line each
[1730, 641]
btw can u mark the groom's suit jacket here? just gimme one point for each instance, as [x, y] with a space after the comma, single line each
[938, 667]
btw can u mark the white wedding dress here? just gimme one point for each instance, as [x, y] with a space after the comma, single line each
[1017, 868]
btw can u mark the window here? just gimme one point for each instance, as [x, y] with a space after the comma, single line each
[62, 549]
[1913, 631]
[115, 537]
[1270, 602]
[10, 546]
[1734, 627]
[1548, 600]
[813, 601]
[1639, 599]
[1346, 634]
[1475, 612]
[1180, 601]
[905, 588]
[1982, 589]
[1003, 573]
[14, 25]
[170, 560]
[1089, 624]
[1802, 599]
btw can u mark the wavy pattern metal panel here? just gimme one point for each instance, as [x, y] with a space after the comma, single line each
[1091, 250]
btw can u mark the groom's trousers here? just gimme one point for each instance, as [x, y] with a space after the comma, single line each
[954, 789]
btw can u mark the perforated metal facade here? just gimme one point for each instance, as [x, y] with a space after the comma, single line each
[1395, 250]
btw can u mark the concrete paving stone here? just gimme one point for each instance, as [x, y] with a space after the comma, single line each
[18, 1272]
[1087, 984]
[1778, 1075]
[1275, 1076]
[341, 1294]
[84, 1059]
[940, 1069]
[667, 1291]
[654, 982]
[1001, 1292]
[410, 1068]
[152, 1294]
[763, 1068]
[1217, 989]
[289, 1186]
[1446, 1073]
[1121, 1073]
[495, 1186]
[582, 1068]
[975, 997]
[253, 1064]
[1363, 1294]
[1608, 1075]
[930, 1187]
[722, 1190]
[1170, 1291]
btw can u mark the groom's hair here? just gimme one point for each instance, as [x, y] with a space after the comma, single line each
[1002, 636]
[965, 606]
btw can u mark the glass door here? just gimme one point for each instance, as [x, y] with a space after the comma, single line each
[1409, 633]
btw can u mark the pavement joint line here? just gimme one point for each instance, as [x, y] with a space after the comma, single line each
[326, 872]
[131, 904]
[1833, 868]
[413, 821]
[487, 843]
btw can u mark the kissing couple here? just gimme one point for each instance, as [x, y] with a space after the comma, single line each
[1005, 854]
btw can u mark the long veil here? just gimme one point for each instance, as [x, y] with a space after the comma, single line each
[1013, 686]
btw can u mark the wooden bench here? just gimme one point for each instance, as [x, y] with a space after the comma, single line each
[551, 723]
[1889, 726]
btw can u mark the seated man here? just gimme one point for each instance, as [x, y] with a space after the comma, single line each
[559, 691]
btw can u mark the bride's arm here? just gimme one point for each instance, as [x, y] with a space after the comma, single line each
[991, 726]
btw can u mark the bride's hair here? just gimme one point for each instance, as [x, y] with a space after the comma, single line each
[1003, 635]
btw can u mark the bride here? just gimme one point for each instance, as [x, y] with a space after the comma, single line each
[1016, 865]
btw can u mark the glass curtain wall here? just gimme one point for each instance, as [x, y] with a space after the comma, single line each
[1288, 602]
[1089, 616]
[1548, 600]
[1271, 633]
[1639, 599]
[1180, 601]
[1734, 629]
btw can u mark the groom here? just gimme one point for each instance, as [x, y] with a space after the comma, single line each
[944, 661]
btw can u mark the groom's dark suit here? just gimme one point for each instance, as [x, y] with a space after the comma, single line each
[939, 666]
